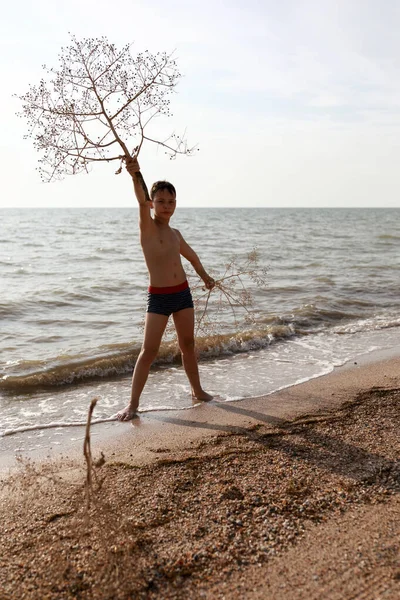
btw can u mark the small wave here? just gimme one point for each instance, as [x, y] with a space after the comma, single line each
[74, 370]
[87, 259]
[69, 372]
[311, 317]
[388, 236]
[105, 250]
[10, 310]
[325, 279]
[29, 307]
[80, 296]
[362, 325]
[116, 288]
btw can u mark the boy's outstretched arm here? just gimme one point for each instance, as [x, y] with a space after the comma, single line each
[190, 255]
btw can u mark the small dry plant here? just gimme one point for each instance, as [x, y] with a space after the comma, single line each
[230, 304]
[97, 104]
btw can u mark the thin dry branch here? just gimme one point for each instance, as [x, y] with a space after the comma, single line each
[87, 452]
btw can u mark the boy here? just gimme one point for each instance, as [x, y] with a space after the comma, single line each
[169, 292]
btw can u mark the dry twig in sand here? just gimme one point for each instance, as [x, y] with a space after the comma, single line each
[88, 456]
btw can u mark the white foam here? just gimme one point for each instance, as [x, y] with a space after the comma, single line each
[112, 419]
[41, 426]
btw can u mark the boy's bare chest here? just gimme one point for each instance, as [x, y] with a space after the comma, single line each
[164, 241]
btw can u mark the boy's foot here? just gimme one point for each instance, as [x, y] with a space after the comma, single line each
[127, 414]
[202, 396]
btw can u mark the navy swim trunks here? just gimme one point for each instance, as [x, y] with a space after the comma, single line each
[169, 300]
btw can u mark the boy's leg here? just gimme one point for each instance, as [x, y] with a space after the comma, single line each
[153, 331]
[184, 324]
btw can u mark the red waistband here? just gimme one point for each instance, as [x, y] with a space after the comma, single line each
[168, 290]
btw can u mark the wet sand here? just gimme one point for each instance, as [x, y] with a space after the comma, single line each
[293, 495]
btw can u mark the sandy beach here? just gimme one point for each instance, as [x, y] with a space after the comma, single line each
[294, 495]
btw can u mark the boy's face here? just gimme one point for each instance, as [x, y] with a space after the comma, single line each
[164, 204]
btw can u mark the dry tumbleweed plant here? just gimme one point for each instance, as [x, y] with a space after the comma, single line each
[231, 301]
[231, 294]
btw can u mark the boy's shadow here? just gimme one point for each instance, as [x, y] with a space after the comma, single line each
[316, 448]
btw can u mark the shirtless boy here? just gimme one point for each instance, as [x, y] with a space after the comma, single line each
[169, 292]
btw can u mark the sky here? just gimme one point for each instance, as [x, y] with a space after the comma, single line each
[291, 103]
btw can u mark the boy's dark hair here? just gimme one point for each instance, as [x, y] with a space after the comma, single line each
[161, 185]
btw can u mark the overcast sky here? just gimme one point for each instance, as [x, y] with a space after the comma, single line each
[292, 103]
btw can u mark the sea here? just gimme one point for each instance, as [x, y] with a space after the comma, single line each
[300, 292]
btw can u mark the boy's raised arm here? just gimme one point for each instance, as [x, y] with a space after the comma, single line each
[141, 191]
[140, 187]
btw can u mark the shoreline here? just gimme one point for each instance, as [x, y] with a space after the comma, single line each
[174, 429]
